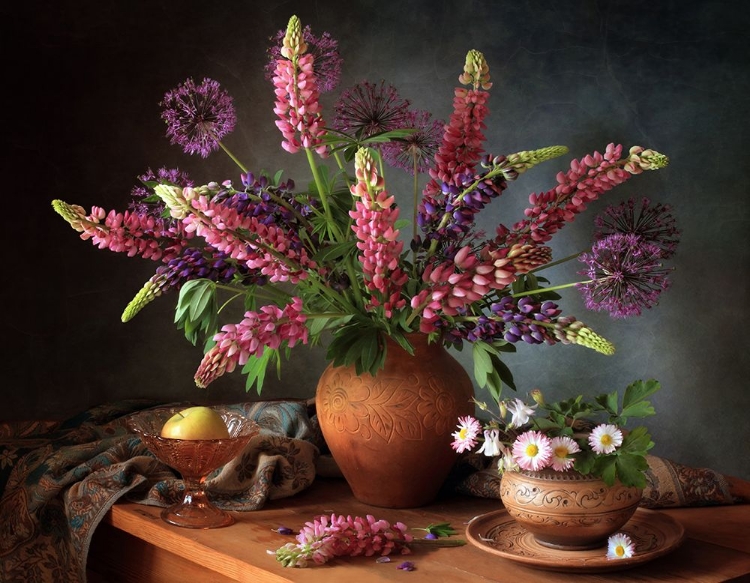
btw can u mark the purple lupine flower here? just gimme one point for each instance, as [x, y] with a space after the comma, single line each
[626, 275]
[324, 49]
[198, 116]
[370, 108]
[417, 148]
[650, 223]
[450, 214]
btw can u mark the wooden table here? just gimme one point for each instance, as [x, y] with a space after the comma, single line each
[134, 545]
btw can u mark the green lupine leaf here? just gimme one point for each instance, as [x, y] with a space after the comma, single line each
[335, 251]
[255, 369]
[482, 362]
[503, 371]
[317, 325]
[202, 300]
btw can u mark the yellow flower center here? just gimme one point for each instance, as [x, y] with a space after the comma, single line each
[463, 432]
[561, 451]
[532, 450]
[619, 550]
[606, 439]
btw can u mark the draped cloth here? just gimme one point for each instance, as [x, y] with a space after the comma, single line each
[58, 480]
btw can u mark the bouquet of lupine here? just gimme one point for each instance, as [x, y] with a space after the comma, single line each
[325, 538]
[329, 262]
[585, 435]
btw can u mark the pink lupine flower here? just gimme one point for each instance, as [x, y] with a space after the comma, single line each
[461, 147]
[457, 283]
[267, 248]
[375, 218]
[127, 232]
[297, 105]
[270, 327]
[587, 179]
[332, 536]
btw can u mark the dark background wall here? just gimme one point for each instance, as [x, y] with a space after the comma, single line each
[81, 86]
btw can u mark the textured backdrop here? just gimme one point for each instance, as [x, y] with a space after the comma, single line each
[82, 82]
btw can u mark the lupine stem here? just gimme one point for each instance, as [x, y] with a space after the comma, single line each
[547, 289]
[323, 195]
[558, 262]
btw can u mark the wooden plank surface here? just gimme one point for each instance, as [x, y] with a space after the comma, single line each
[718, 547]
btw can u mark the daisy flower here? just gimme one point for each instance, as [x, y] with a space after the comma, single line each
[562, 449]
[619, 546]
[605, 438]
[520, 411]
[466, 436]
[532, 450]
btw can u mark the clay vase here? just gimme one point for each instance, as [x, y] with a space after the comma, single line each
[390, 434]
[565, 510]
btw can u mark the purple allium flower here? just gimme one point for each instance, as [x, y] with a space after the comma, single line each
[370, 108]
[650, 223]
[418, 148]
[325, 50]
[198, 116]
[626, 275]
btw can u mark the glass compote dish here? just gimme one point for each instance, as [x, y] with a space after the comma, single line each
[195, 460]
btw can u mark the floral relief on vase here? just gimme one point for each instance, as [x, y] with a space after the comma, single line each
[391, 408]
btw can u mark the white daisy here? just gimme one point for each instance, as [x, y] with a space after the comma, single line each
[605, 438]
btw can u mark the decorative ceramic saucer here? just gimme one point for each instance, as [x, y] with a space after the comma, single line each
[653, 534]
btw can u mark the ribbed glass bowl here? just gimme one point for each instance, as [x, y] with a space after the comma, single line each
[194, 459]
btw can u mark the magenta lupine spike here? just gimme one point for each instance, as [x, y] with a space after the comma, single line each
[297, 105]
[328, 537]
[126, 232]
[266, 248]
[587, 179]
[456, 283]
[327, 58]
[461, 148]
[375, 217]
[270, 327]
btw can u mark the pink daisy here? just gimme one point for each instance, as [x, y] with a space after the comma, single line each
[532, 450]
[466, 436]
[562, 449]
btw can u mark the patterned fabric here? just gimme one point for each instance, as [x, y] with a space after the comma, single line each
[58, 480]
[669, 484]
